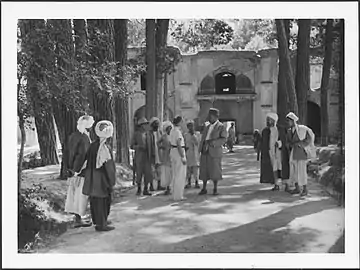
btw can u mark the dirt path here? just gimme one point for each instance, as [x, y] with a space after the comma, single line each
[246, 217]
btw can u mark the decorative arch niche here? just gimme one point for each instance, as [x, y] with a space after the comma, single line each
[207, 85]
[243, 83]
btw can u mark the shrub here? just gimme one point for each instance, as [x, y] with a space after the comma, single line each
[30, 216]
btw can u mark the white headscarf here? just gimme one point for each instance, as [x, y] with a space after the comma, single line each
[273, 116]
[106, 132]
[84, 122]
[292, 116]
[166, 124]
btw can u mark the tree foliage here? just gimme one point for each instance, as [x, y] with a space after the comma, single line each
[200, 34]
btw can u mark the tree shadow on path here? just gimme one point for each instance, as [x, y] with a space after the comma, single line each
[258, 236]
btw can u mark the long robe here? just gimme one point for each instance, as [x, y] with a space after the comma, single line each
[178, 168]
[266, 167]
[98, 185]
[285, 154]
[211, 152]
[76, 201]
[164, 155]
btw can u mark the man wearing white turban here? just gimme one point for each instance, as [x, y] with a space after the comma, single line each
[192, 141]
[78, 144]
[100, 176]
[270, 153]
[301, 142]
[164, 155]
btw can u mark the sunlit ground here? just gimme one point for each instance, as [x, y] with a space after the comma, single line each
[246, 217]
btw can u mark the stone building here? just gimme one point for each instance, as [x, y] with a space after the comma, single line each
[241, 84]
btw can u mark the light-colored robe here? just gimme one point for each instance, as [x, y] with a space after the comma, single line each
[178, 168]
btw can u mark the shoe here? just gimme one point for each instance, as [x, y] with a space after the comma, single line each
[295, 191]
[138, 193]
[275, 188]
[303, 193]
[167, 192]
[197, 185]
[215, 193]
[203, 192]
[146, 193]
[160, 188]
[82, 224]
[188, 186]
[104, 229]
[287, 189]
[152, 188]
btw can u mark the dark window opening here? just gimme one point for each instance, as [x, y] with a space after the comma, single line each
[143, 81]
[225, 83]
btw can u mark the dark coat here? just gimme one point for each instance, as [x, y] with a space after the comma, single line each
[98, 182]
[266, 168]
[78, 144]
[285, 153]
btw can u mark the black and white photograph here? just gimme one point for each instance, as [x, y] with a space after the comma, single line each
[158, 134]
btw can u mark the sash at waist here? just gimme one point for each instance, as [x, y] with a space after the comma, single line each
[175, 146]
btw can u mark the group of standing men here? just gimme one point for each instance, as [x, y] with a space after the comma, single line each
[170, 156]
[285, 152]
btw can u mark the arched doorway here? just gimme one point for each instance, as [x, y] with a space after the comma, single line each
[314, 118]
[225, 83]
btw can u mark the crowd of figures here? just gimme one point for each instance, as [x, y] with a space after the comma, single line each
[169, 157]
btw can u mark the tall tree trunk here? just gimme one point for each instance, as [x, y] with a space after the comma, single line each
[325, 82]
[100, 101]
[284, 55]
[65, 115]
[42, 108]
[283, 98]
[80, 40]
[121, 101]
[166, 97]
[302, 79]
[341, 87]
[150, 68]
[23, 139]
[162, 27]
[22, 145]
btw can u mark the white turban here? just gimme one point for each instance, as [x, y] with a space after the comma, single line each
[273, 116]
[292, 116]
[104, 129]
[154, 119]
[85, 121]
[207, 123]
[166, 124]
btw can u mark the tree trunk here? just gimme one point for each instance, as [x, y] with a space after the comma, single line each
[65, 115]
[166, 97]
[121, 101]
[40, 102]
[341, 87]
[80, 40]
[100, 101]
[303, 68]
[162, 27]
[325, 82]
[285, 57]
[151, 93]
[283, 97]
